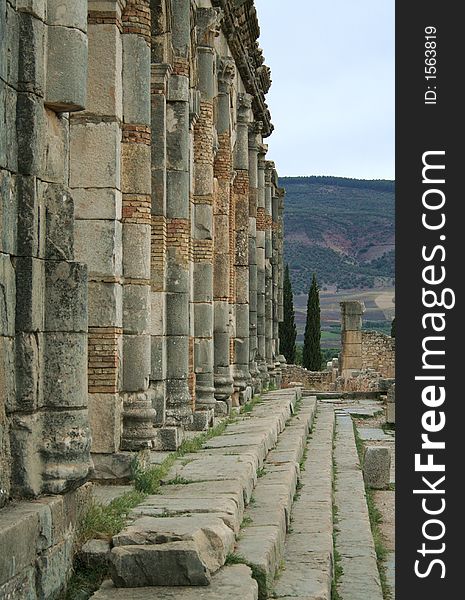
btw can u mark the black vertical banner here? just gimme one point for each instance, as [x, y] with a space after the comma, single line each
[430, 308]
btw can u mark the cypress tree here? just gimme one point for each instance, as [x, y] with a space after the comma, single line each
[393, 328]
[287, 329]
[311, 358]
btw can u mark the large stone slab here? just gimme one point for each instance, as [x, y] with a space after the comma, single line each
[230, 582]
[229, 488]
[168, 506]
[189, 548]
[213, 468]
[177, 563]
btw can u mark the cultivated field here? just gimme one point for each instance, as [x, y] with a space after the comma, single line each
[379, 311]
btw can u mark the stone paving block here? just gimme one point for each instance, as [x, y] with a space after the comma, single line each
[377, 467]
[208, 468]
[167, 506]
[262, 547]
[231, 489]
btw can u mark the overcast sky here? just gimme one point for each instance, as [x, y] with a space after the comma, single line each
[332, 97]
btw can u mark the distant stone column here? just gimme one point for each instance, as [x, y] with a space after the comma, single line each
[261, 278]
[138, 413]
[160, 75]
[281, 195]
[178, 226]
[222, 260]
[254, 131]
[275, 279]
[240, 200]
[269, 166]
[208, 23]
[351, 337]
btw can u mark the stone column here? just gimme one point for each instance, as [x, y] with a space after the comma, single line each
[223, 380]
[178, 397]
[240, 200]
[208, 22]
[95, 179]
[281, 358]
[138, 414]
[254, 131]
[269, 272]
[160, 75]
[275, 280]
[351, 337]
[261, 279]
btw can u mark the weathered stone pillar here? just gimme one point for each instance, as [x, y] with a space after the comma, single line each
[160, 74]
[178, 397]
[269, 166]
[44, 430]
[208, 22]
[223, 380]
[254, 131]
[261, 279]
[95, 179]
[351, 337]
[138, 413]
[240, 200]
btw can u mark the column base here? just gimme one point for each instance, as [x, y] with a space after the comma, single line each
[202, 420]
[168, 438]
[223, 383]
[138, 422]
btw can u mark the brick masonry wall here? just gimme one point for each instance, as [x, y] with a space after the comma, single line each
[378, 353]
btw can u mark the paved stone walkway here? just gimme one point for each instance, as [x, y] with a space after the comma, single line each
[308, 556]
[354, 540]
[261, 494]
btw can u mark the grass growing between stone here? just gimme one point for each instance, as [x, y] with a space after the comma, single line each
[105, 521]
[85, 581]
[257, 573]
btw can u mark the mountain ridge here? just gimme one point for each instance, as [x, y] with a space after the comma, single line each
[341, 228]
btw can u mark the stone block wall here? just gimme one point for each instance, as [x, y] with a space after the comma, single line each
[378, 353]
[310, 380]
[37, 541]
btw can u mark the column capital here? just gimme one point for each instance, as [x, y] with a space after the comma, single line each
[244, 105]
[262, 150]
[160, 73]
[208, 25]
[226, 74]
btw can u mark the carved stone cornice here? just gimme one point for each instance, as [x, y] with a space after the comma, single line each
[240, 26]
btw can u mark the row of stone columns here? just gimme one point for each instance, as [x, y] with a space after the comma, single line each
[184, 292]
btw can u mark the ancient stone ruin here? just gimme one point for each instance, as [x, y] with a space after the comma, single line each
[140, 242]
[366, 361]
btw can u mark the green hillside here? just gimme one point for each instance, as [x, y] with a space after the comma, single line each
[343, 229]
